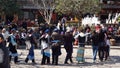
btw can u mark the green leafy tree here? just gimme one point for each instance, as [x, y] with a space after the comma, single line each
[9, 7]
[78, 7]
[74, 7]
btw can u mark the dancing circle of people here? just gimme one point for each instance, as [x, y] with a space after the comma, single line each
[53, 39]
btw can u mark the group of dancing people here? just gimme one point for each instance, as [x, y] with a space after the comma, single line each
[99, 38]
[47, 41]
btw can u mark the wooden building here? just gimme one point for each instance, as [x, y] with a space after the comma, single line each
[109, 6]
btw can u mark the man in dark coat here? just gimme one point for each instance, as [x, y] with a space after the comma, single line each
[95, 40]
[101, 43]
[4, 54]
[68, 40]
[56, 47]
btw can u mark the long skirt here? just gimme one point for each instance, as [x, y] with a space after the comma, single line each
[30, 55]
[80, 54]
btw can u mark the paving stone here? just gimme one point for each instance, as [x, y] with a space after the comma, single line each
[113, 62]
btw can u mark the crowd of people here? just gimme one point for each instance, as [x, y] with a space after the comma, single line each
[52, 38]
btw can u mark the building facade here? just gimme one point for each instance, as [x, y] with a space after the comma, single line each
[29, 8]
[109, 6]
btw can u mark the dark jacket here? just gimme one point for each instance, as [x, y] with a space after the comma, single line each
[82, 38]
[95, 39]
[5, 63]
[68, 40]
[32, 39]
[12, 48]
[101, 36]
[56, 49]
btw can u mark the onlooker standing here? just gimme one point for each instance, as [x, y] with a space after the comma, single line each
[75, 32]
[87, 28]
[24, 24]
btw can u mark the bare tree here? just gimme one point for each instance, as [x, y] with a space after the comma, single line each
[45, 8]
[75, 7]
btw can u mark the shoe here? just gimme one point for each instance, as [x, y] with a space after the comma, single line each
[94, 61]
[48, 63]
[17, 62]
[42, 63]
[56, 63]
[101, 60]
[66, 63]
[34, 63]
[52, 63]
[26, 61]
[106, 59]
[71, 61]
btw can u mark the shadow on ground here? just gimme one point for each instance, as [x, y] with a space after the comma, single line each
[111, 60]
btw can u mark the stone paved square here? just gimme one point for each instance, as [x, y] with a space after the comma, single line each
[113, 62]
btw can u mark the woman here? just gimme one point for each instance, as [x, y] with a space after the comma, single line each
[82, 40]
[45, 48]
[13, 46]
[32, 40]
